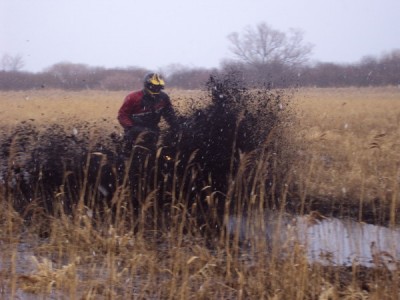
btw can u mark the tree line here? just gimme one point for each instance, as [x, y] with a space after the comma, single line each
[262, 56]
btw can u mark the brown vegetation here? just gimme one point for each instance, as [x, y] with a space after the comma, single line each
[351, 149]
[347, 142]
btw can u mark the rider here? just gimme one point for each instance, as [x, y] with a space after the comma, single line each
[142, 110]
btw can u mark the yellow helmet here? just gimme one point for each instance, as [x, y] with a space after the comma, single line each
[153, 83]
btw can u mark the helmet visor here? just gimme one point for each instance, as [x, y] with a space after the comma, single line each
[154, 89]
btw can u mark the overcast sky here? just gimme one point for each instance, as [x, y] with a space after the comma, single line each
[157, 33]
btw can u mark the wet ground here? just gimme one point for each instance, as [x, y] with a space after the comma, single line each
[329, 242]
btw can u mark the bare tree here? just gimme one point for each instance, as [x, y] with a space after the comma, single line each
[264, 45]
[71, 75]
[12, 63]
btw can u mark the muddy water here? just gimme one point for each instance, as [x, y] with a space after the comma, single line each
[344, 242]
[329, 241]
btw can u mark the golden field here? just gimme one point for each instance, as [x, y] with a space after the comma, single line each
[346, 145]
[351, 143]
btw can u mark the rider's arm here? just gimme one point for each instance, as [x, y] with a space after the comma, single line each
[127, 109]
[169, 114]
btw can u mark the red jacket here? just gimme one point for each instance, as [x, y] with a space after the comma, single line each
[141, 109]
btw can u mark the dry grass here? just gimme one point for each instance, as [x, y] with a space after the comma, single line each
[351, 143]
[348, 141]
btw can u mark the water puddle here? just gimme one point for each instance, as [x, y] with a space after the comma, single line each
[329, 241]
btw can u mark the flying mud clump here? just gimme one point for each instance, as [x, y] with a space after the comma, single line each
[201, 157]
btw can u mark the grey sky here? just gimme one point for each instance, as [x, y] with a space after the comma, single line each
[154, 34]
